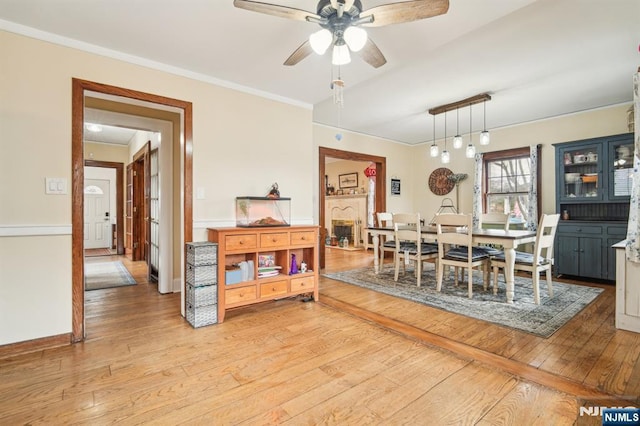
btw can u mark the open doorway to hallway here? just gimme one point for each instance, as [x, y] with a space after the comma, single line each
[179, 172]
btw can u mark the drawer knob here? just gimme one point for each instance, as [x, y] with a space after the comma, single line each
[274, 240]
[273, 289]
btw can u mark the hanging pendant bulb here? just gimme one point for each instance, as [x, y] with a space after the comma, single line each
[457, 139]
[434, 148]
[445, 157]
[484, 135]
[471, 150]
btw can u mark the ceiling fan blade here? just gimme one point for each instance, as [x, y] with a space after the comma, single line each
[396, 13]
[299, 54]
[275, 10]
[372, 55]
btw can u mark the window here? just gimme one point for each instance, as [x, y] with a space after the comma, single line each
[507, 181]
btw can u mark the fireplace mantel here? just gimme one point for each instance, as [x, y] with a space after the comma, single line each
[347, 207]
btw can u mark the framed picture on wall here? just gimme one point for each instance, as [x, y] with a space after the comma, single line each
[348, 180]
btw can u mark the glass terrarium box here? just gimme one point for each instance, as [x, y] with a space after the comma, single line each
[262, 211]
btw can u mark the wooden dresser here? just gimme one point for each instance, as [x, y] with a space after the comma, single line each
[237, 245]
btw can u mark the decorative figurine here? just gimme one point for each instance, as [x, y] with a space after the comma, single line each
[294, 265]
[303, 267]
[274, 192]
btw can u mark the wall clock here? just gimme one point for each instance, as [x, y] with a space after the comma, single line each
[439, 182]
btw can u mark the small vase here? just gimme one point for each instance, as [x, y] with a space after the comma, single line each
[294, 265]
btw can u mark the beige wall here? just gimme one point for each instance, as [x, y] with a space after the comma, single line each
[336, 168]
[241, 145]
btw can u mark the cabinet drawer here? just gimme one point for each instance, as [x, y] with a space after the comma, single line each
[303, 238]
[274, 239]
[243, 294]
[303, 284]
[618, 231]
[580, 229]
[273, 288]
[241, 242]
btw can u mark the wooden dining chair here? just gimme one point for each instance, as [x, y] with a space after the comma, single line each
[541, 260]
[455, 248]
[409, 246]
[496, 221]
[385, 220]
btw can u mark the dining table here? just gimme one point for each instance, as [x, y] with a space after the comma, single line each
[508, 239]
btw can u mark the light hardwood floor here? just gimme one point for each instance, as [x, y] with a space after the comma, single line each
[355, 357]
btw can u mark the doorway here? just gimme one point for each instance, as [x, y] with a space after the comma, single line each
[380, 185]
[181, 145]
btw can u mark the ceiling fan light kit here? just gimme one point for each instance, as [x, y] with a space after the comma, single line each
[342, 19]
[320, 41]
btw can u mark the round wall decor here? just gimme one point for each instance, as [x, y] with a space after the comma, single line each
[439, 182]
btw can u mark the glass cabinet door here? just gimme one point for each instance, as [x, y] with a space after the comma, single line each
[621, 166]
[580, 173]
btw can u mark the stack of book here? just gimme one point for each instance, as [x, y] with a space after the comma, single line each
[268, 271]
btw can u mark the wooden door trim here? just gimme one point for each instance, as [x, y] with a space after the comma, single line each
[119, 168]
[381, 184]
[78, 88]
[139, 229]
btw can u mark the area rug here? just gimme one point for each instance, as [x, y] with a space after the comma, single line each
[542, 320]
[99, 252]
[98, 275]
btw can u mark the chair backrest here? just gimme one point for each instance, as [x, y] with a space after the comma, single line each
[545, 236]
[500, 219]
[406, 227]
[385, 219]
[454, 229]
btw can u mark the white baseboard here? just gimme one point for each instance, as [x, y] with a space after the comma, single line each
[33, 230]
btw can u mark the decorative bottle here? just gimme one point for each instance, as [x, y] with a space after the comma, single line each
[294, 265]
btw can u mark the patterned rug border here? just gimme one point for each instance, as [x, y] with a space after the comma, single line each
[106, 275]
[541, 320]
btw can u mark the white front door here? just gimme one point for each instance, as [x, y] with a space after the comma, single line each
[97, 223]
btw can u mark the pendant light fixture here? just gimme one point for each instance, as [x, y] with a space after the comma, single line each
[434, 148]
[484, 135]
[457, 139]
[471, 150]
[458, 142]
[445, 157]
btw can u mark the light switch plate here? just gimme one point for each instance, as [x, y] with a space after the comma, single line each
[200, 193]
[56, 186]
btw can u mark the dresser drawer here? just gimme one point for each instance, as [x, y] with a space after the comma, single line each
[303, 284]
[268, 290]
[241, 242]
[274, 239]
[580, 229]
[243, 294]
[303, 238]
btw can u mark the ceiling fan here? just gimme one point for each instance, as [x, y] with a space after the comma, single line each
[341, 21]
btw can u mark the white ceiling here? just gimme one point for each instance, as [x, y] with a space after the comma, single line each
[537, 59]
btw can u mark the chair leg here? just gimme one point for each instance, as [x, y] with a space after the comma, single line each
[496, 270]
[470, 282]
[418, 270]
[439, 276]
[396, 267]
[549, 282]
[455, 276]
[536, 287]
[485, 272]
